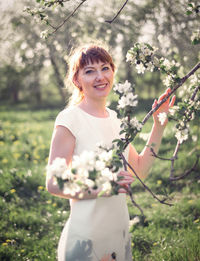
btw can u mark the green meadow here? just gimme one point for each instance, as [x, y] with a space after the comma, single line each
[32, 219]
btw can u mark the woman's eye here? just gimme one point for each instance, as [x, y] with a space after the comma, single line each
[88, 71]
[105, 68]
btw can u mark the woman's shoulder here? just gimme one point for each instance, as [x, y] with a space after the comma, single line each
[68, 112]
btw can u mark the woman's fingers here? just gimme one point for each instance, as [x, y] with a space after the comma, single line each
[121, 190]
[124, 177]
[172, 101]
[154, 104]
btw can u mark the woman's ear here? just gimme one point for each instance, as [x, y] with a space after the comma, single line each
[76, 83]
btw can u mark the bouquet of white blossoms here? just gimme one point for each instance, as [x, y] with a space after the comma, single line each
[90, 170]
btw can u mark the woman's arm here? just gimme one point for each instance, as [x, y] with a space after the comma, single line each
[142, 163]
[62, 146]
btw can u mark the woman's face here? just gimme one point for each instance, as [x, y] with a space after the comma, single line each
[96, 79]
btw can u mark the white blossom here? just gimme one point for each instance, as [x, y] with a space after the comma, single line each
[195, 79]
[123, 88]
[182, 135]
[130, 56]
[134, 221]
[133, 123]
[128, 99]
[150, 67]
[140, 68]
[107, 187]
[173, 110]
[71, 188]
[44, 34]
[196, 35]
[57, 168]
[168, 81]
[162, 116]
[167, 64]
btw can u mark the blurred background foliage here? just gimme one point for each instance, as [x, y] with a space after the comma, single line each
[33, 70]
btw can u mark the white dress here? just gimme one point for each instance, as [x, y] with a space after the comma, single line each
[96, 227]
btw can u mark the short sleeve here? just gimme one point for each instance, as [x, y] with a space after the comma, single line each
[67, 118]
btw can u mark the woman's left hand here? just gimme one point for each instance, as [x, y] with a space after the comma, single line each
[125, 179]
[164, 108]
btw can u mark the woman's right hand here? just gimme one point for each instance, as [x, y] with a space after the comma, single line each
[125, 179]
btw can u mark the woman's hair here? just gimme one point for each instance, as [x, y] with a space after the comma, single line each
[81, 57]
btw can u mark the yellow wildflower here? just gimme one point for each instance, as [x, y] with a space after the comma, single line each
[159, 182]
[12, 191]
[4, 161]
[8, 240]
[40, 188]
[155, 244]
[16, 142]
[26, 155]
[4, 244]
[54, 204]
[16, 155]
[196, 221]
[12, 137]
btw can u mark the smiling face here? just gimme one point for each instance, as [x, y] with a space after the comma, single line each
[95, 79]
[91, 69]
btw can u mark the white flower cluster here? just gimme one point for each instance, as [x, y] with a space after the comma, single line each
[182, 135]
[169, 80]
[44, 34]
[133, 123]
[162, 116]
[59, 169]
[196, 36]
[195, 80]
[89, 170]
[142, 55]
[191, 6]
[127, 97]
[169, 64]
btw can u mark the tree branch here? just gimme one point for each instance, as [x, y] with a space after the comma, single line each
[110, 21]
[67, 18]
[196, 67]
[193, 168]
[144, 185]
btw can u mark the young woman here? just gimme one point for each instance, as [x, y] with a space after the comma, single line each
[97, 228]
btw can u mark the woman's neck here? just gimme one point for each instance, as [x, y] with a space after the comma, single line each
[95, 108]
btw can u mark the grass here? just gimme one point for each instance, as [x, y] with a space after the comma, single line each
[32, 219]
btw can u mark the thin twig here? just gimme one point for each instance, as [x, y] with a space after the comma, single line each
[129, 190]
[173, 178]
[158, 157]
[133, 201]
[195, 92]
[196, 67]
[110, 21]
[67, 18]
[145, 186]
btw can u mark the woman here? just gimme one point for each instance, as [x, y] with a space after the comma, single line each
[97, 228]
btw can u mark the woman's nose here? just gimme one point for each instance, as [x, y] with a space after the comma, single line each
[99, 75]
